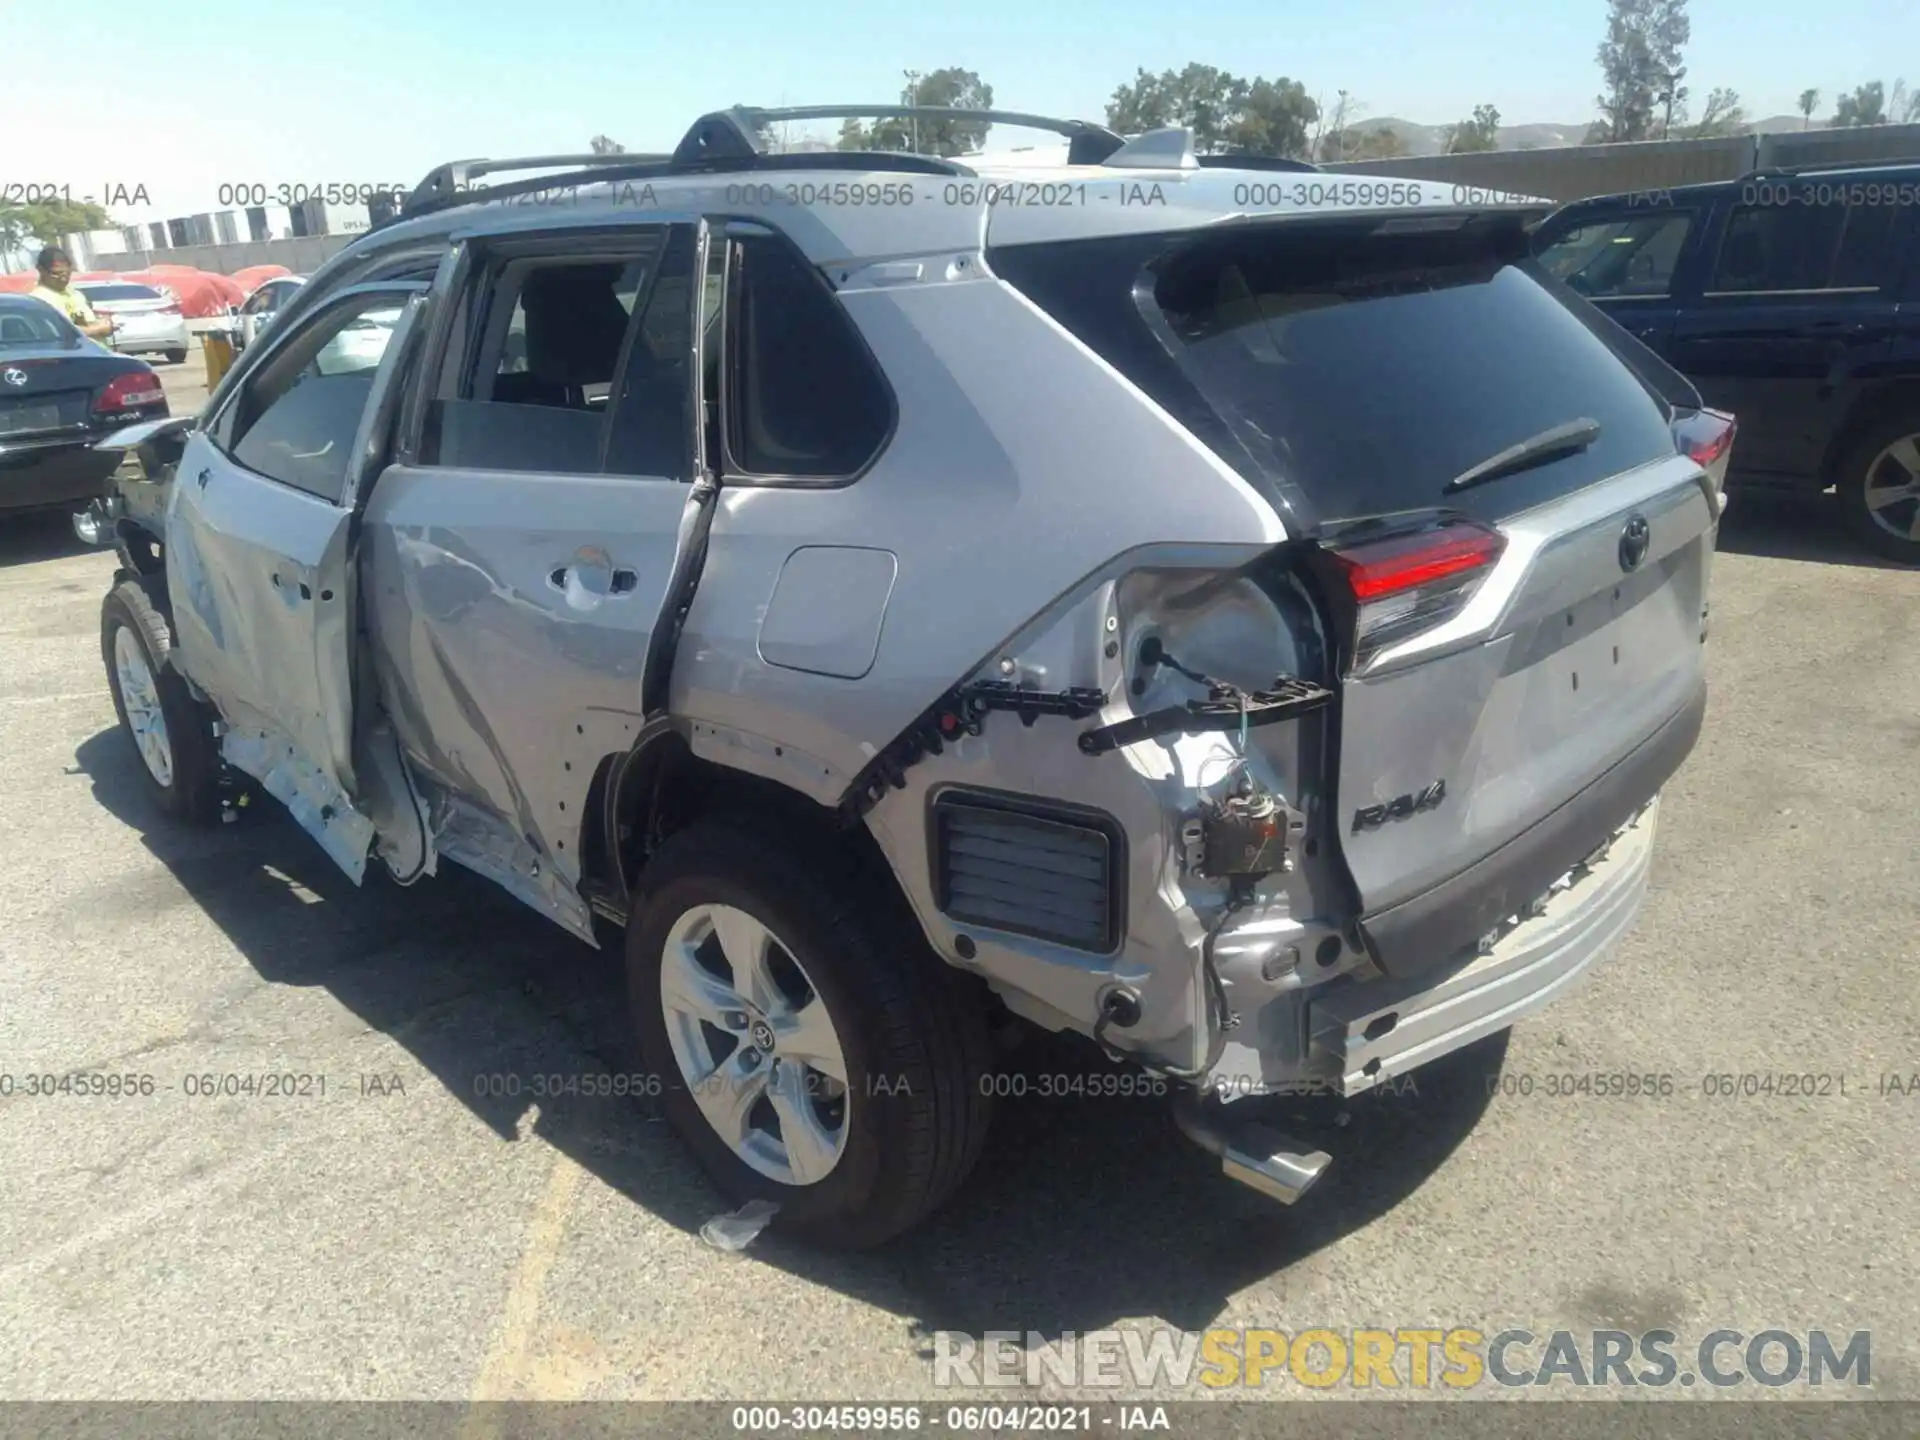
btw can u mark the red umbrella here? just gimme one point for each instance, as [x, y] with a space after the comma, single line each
[252, 277]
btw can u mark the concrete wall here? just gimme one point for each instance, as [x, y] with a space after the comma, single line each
[1577, 171]
[302, 255]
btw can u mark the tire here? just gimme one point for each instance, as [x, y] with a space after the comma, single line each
[911, 1033]
[1873, 465]
[176, 357]
[186, 785]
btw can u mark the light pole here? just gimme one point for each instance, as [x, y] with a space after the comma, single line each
[913, 98]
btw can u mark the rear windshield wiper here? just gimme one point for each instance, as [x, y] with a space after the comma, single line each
[1568, 439]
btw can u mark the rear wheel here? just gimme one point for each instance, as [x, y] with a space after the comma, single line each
[171, 733]
[1879, 483]
[177, 357]
[813, 1051]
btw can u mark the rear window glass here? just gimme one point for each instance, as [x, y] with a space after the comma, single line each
[96, 293]
[1620, 257]
[1359, 372]
[31, 322]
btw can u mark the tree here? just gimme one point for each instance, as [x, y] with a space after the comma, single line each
[1867, 105]
[1903, 107]
[1809, 102]
[604, 146]
[1378, 142]
[1331, 124]
[1272, 118]
[1482, 132]
[46, 221]
[1223, 111]
[952, 89]
[1640, 60]
[1723, 115]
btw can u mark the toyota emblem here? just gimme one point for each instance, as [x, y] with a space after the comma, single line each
[14, 376]
[1634, 541]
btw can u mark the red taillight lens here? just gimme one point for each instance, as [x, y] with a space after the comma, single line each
[129, 392]
[1706, 438]
[1405, 584]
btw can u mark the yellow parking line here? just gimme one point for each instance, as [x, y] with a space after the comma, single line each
[506, 1359]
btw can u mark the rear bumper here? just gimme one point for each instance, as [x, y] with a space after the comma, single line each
[43, 477]
[1439, 925]
[1362, 1035]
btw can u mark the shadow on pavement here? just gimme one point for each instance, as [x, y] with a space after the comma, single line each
[42, 535]
[1082, 1211]
[1794, 527]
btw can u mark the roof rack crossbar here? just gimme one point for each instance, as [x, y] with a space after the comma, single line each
[736, 133]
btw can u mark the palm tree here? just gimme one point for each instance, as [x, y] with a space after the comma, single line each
[1809, 102]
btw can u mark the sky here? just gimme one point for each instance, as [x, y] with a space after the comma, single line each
[216, 91]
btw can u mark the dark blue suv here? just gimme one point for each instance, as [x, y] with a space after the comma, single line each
[1791, 298]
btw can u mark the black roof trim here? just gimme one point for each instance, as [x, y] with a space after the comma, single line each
[1232, 161]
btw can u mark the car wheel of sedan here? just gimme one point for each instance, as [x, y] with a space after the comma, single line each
[171, 732]
[176, 357]
[1879, 480]
[813, 1052]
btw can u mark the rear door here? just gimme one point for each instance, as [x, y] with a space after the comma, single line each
[1798, 308]
[259, 558]
[518, 558]
[1630, 260]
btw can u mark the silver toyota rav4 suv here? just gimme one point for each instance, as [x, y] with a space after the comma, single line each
[1241, 614]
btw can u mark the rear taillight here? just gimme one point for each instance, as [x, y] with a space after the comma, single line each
[1405, 584]
[129, 392]
[1706, 438]
[168, 310]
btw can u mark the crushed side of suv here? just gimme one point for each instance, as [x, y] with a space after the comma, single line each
[1204, 607]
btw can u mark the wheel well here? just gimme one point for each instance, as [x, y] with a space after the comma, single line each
[636, 800]
[1874, 404]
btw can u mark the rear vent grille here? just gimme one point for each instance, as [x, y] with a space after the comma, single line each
[1028, 869]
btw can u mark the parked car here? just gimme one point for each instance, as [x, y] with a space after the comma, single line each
[59, 393]
[1257, 647]
[259, 308]
[146, 321]
[1791, 298]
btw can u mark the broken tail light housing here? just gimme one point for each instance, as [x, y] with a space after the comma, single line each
[1706, 438]
[1402, 585]
[132, 391]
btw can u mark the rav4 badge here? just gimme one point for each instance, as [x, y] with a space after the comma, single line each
[1400, 807]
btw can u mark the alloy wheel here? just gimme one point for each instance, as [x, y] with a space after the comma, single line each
[754, 1043]
[1892, 490]
[140, 698]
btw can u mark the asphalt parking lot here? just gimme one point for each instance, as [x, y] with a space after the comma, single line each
[405, 1235]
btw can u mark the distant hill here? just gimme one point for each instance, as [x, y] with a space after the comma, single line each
[1432, 139]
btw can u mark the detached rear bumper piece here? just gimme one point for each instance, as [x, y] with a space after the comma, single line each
[1447, 921]
[1362, 1035]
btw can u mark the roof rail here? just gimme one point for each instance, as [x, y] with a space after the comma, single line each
[457, 176]
[735, 133]
[1827, 167]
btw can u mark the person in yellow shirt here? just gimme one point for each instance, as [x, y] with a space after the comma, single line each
[55, 288]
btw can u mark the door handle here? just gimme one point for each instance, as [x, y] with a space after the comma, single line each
[206, 474]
